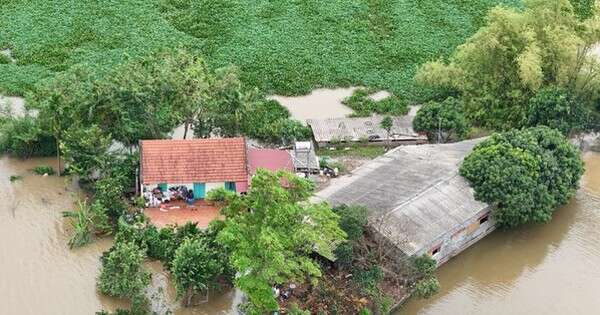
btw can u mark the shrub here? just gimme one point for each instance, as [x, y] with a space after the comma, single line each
[363, 105]
[368, 280]
[43, 169]
[352, 220]
[14, 178]
[123, 275]
[344, 254]
[24, 138]
[423, 266]
[558, 109]
[219, 195]
[427, 287]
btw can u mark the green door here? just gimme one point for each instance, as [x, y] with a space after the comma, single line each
[199, 190]
[162, 187]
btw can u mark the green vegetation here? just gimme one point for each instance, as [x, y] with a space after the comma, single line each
[515, 55]
[442, 120]
[364, 106]
[271, 233]
[426, 284]
[558, 109]
[283, 46]
[24, 137]
[123, 275]
[197, 267]
[43, 169]
[220, 195]
[86, 221]
[14, 178]
[526, 174]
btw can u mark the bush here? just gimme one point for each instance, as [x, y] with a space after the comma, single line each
[352, 220]
[368, 280]
[219, 195]
[24, 138]
[427, 288]
[344, 254]
[44, 169]
[423, 266]
[123, 275]
[526, 174]
[363, 105]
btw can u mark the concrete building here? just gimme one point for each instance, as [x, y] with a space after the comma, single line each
[200, 164]
[364, 129]
[417, 200]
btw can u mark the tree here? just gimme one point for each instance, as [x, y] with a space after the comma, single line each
[271, 234]
[442, 121]
[386, 124]
[514, 55]
[197, 267]
[85, 149]
[123, 274]
[525, 174]
[557, 108]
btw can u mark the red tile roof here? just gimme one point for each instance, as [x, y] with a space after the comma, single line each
[190, 161]
[270, 159]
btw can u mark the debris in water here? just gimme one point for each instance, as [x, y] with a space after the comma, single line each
[14, 178]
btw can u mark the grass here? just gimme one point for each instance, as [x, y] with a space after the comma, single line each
[363, 106]
[285, 46]
[358, 151]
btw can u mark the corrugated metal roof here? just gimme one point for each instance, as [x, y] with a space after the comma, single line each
[416, 188]
[357, 128]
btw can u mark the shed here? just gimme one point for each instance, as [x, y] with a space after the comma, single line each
[416, 199]
[304, 157]
[271, 159]
[355, 129]
[198, 164]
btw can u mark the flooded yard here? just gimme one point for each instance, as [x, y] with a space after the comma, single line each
[540, 269]
[41, 275]
[319, 104]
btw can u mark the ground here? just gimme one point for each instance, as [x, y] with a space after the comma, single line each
[285, 47]
[178, 212]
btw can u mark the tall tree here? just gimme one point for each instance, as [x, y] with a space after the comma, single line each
[271, 234]
[525, 174]
[85, 149]
[514, 55]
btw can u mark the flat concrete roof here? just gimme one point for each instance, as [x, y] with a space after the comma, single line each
[416, 189]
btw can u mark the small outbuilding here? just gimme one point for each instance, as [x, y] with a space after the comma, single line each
[270, 159]
[417, 200]
[364, 129]
[199, 165]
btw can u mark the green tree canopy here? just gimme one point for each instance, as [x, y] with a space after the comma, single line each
[526, 174]
[444, 119]
[518, 52]
[85, 149]
[271, 234]
[123, 274]
[558, 109]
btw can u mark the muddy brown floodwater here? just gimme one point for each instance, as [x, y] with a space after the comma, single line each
[541, 269]
[40, 275]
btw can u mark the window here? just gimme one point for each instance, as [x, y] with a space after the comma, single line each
[484, 218]
[230, 186]
[436, 250]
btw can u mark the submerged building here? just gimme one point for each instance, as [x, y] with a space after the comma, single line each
[417, 200]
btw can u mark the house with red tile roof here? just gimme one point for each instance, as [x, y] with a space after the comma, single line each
[199, 164]
[270, 159]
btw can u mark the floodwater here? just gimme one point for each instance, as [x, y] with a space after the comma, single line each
[319, 104]
[541, 269]
[39, 274]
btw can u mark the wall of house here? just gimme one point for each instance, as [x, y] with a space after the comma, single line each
[208, 186]
[460, 238]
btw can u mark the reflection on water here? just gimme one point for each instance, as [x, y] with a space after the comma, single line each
[540, 269]
[40, 275]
